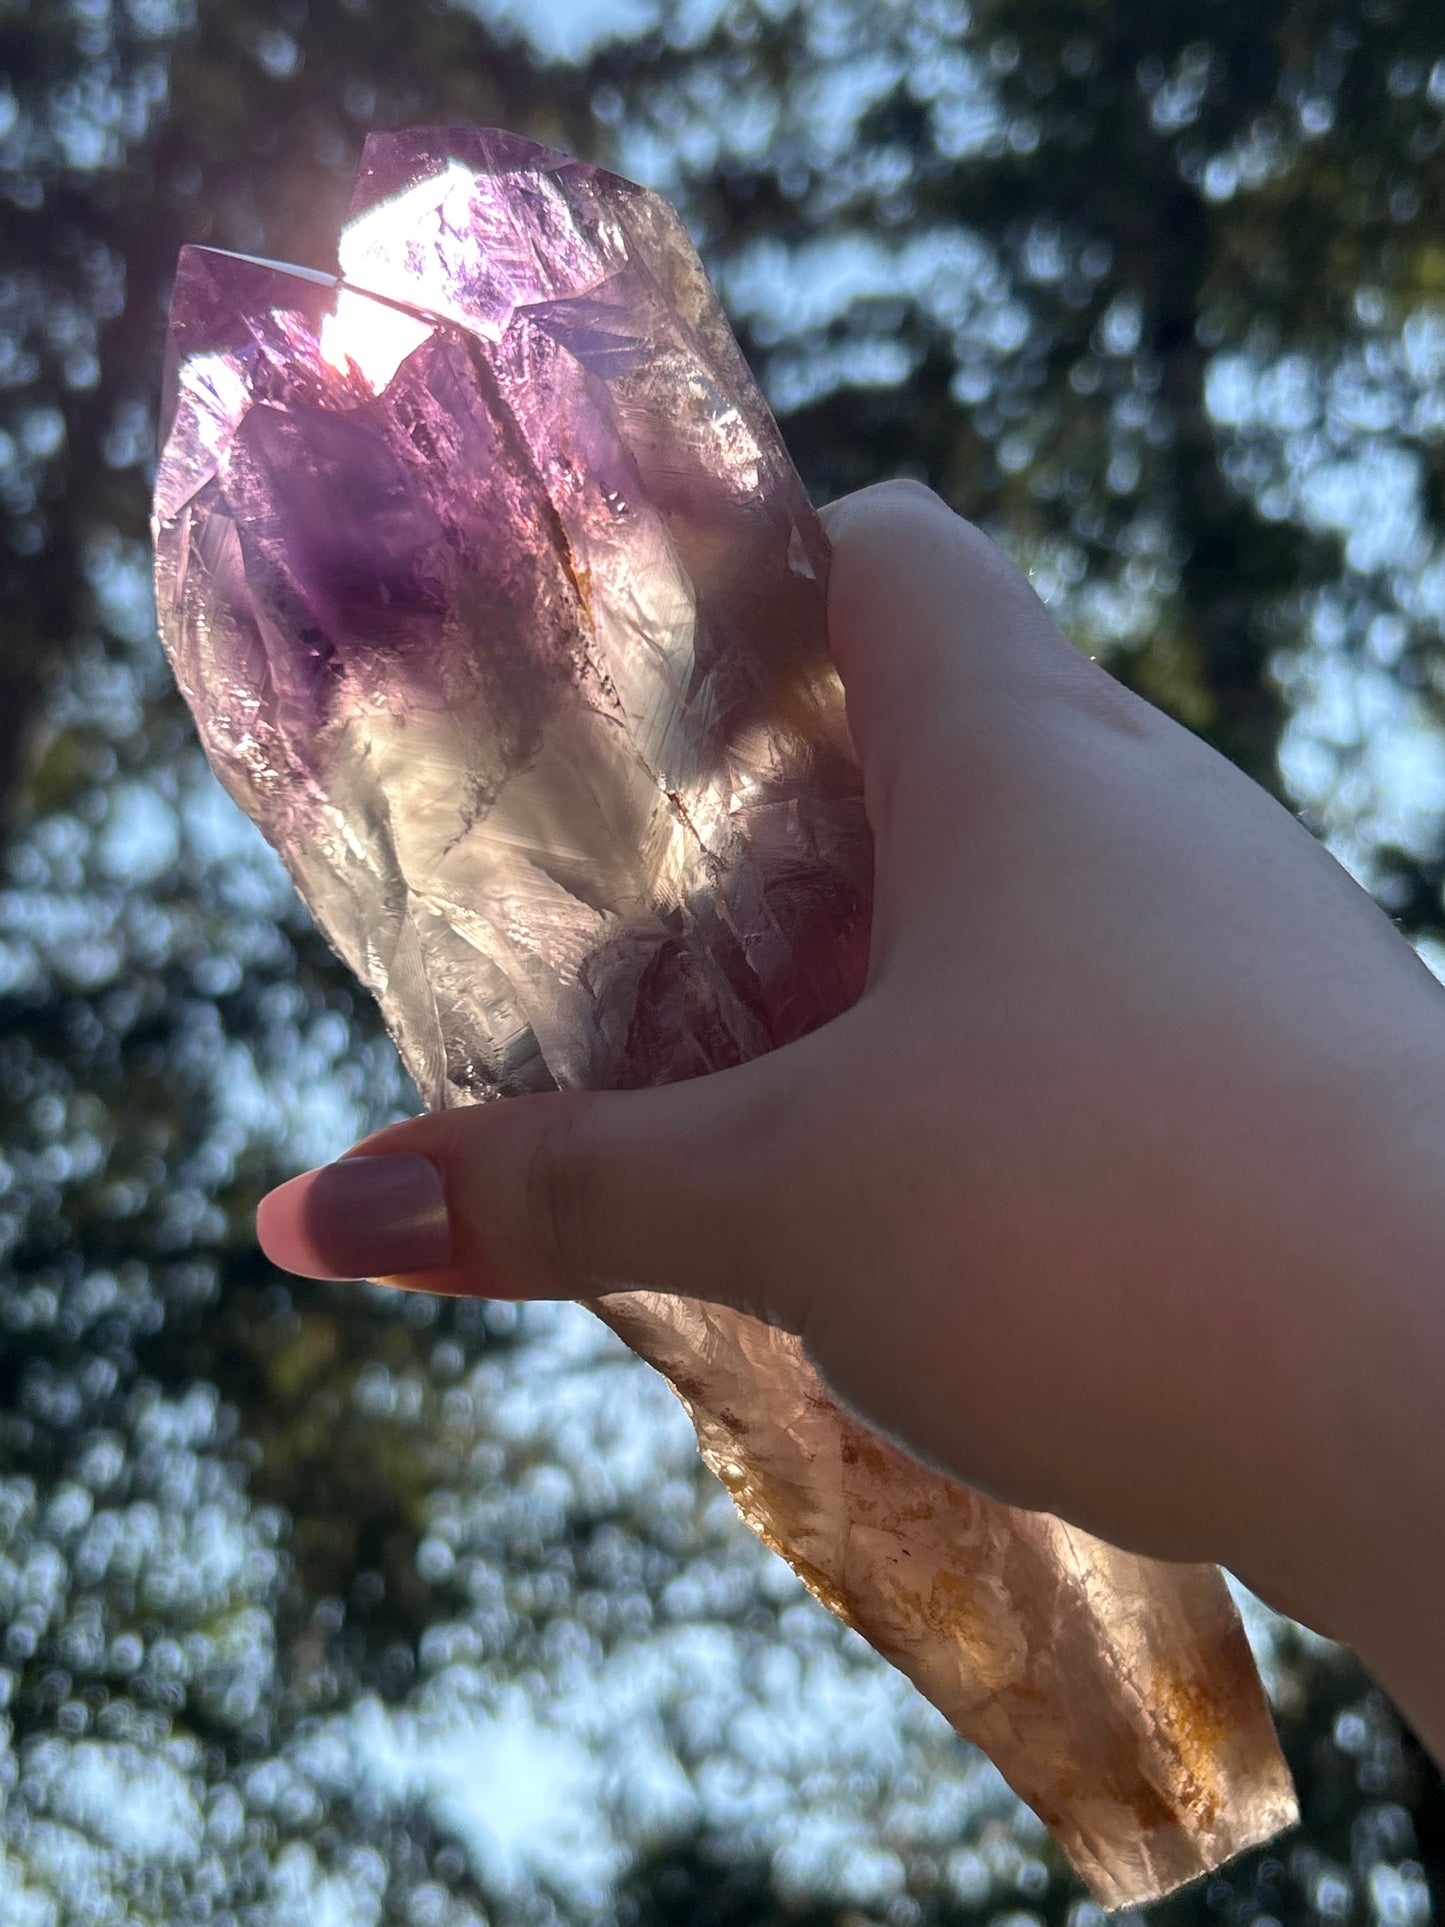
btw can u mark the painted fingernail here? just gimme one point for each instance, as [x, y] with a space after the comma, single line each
[363, 1217]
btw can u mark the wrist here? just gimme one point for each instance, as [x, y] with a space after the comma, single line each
[1339, 1460]
[1384, 1582]
[1377, 1563]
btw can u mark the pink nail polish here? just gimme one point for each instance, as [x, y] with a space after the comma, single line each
[363, 1217]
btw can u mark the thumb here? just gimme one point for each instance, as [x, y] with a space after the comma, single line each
[931, 628]
[557, 1196]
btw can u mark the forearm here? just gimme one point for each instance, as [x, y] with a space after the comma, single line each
[1363, 1550]
[1388, 1574]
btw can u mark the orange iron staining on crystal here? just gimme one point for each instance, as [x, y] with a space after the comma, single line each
[501, 609]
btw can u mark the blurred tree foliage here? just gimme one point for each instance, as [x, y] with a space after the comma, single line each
[1156, 293]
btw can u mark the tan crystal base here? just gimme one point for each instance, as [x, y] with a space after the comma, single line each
[1116, 1695]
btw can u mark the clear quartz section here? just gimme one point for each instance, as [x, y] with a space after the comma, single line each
[500, 608]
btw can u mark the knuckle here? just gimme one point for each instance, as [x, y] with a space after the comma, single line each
[877, 518]
[906, 489]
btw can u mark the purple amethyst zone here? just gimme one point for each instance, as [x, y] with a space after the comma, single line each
[501, 608]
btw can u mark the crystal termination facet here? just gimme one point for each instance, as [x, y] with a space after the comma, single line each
[501, 610]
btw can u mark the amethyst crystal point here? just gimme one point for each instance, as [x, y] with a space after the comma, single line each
[501, 610]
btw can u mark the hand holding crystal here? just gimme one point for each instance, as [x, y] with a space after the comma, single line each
[1113, 1192]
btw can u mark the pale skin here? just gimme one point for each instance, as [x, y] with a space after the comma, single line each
[1121, 1191]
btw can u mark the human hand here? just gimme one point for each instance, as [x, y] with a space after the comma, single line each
[1116, 1192]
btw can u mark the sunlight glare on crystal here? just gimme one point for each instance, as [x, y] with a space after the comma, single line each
[435, 222]
[370, 336]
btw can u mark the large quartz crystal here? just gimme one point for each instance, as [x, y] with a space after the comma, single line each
[501, 610]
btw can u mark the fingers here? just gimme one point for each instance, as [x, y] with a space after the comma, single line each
[961, 690]
[558, 1196]
[929, 623]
